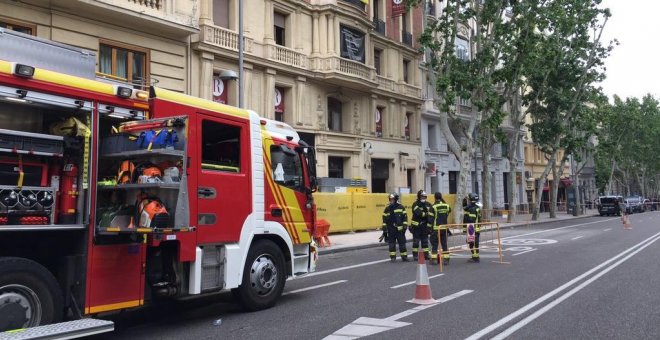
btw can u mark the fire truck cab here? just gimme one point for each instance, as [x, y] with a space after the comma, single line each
[113, 197]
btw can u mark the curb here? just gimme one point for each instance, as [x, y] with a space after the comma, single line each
[383, 244]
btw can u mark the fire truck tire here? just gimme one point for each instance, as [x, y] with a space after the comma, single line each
[29, 294]
[264, 276]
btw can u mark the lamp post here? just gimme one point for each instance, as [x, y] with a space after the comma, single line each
[240, 53]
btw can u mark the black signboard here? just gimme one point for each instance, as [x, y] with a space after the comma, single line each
[352, 44]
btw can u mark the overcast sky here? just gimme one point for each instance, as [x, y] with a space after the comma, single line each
[633, 69]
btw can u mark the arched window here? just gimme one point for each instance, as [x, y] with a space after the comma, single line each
[334, 114]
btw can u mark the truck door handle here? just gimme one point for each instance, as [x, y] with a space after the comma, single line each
[206, 193]
[276, 212]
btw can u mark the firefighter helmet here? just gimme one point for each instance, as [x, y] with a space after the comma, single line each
[438, 196]
[473, 198]
[394, 195]
[421, 194]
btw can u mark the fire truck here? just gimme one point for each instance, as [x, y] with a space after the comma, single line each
[113, 198]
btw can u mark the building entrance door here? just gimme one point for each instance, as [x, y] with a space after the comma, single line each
[380, 173]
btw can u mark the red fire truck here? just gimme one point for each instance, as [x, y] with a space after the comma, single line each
[113, 198]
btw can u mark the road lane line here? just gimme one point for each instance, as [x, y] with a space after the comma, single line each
[608, 229]
[489, 241]
[522, 323]
[522, 252]
[413, 282]
[577, 237]
[343, 268]
[365, 326]
[314, 287]
[503, 321]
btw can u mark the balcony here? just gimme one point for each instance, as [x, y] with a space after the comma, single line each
[339, 71]
[224, 38]
[385, 84]
[410, 90]
[406, 38]
[286, 56]
[355, 3]
[379, 26]
[158, 17]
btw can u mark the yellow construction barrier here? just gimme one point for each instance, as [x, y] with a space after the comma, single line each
[336, 209]
[353, 211]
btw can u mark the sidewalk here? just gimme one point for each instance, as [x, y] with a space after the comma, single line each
[369, 239]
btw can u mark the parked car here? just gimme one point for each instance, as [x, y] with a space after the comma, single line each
[634, 204]
[610, 205]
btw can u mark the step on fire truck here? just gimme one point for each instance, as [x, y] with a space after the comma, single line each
[113, 198]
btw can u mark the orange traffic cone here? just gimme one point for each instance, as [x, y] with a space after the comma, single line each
[422, 289]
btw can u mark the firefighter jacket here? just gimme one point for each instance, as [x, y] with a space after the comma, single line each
[423, 214]
[472, 214]
[442, 211]
[395, 216]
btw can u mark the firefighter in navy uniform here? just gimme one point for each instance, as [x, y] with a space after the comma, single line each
[442, 210]
[422, 220]
[472, 216]
[395, 223]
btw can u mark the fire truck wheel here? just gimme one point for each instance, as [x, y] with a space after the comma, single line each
[29, 294]
[264, 276]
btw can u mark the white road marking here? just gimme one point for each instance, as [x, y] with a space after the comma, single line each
[503, 238]
[520, 324]
[369, 326]
[413, 282]
[608, 229]
[577, 237]
[503, 321]
[526, 251]
[344, 268]
[314, 287]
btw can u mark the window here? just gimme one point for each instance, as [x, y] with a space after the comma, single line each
[406, 124]
[128, 64]
[377, 59]
[280, 28]
[279, 103]
[336, 167]
[462, 49]
[287, 167]
[432, 142]
[221, 13]
[406, 67]
[334, 114]
[352, 44]
[22, 28]
[379, 121]
[453, 176]
[221, 147]
[376, 9]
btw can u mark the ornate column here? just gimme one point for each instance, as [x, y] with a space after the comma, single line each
[206, 12]
[332, 33]
[268, 22]
[323, 24]
[316, 37]
[299, 100]
[372, 115]
[206, 78]
[390, 128]
[269, 94]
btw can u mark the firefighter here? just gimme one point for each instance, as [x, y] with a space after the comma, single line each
[423, 218]
[395, 223]
[472, 217]
[441, 210]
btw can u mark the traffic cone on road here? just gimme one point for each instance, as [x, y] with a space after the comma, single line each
[422, 288]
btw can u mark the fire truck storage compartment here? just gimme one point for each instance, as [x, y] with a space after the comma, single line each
[32, 162]
[141, 173]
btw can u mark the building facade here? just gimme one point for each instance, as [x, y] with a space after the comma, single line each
[343, 73]
[142, 42]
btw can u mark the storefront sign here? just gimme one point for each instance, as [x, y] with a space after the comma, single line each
[398, 7]
[379, 122]
[352, 44]
[219, 90]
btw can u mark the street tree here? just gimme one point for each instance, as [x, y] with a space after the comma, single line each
[560, 91]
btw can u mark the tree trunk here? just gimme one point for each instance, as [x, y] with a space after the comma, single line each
[609, 183]
[553, 192]
[486, 178]
[540, 185]
[513, 184]
[462, 183]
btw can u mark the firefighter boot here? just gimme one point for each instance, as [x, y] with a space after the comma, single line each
[392, 258]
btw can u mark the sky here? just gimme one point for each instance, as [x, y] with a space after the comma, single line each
[633, 68]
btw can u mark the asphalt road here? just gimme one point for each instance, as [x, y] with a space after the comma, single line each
[581, 279]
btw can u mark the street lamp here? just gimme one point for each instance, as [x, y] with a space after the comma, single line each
[240, 53]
